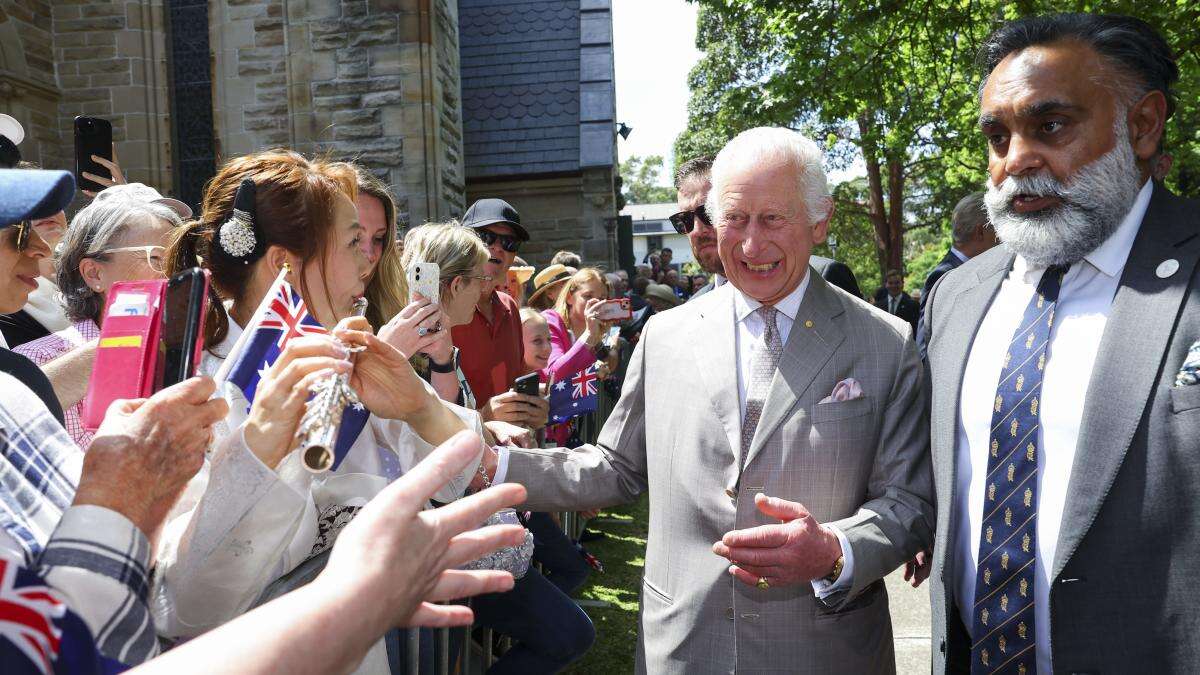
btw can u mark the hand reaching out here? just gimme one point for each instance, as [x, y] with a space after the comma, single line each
[118, 176]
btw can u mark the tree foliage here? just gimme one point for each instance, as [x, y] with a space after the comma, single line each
[641, 183]
[890, 89]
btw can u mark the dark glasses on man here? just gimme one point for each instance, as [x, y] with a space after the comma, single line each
[507, 242]
[685, 221]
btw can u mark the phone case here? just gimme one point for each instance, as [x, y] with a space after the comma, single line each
[616, 310]
[128, 352]
[93, 136]
[425, 278]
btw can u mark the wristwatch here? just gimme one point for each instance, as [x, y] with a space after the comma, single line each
[837, 569]
[448, 367]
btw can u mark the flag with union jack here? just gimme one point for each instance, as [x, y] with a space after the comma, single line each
[574, 396]
[38, 633]
[280, 317]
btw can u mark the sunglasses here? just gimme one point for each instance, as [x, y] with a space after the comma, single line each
[24, 229]
[685, 221]
[507, 241]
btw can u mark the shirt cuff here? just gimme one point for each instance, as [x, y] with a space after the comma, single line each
[822, 587]
[102, 541]
[501, 465]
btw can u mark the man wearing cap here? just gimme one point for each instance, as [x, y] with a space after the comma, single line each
[80, 522]
[491, 351]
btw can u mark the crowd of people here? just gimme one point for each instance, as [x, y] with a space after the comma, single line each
[1020, 434]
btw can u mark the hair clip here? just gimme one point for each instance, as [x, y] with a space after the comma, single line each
[238, 235]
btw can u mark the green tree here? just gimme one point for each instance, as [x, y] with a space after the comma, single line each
[641, 182]
[890, 88]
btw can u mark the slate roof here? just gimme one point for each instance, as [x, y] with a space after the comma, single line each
[520, 86]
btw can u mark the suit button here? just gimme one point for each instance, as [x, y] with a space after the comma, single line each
[731, 493]
[942, 646]
[729, 613]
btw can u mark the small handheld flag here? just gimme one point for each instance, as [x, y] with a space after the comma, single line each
[574, 396]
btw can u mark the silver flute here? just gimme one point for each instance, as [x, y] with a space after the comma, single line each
[318, 429]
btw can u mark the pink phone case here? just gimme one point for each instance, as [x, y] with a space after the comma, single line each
[128, 352]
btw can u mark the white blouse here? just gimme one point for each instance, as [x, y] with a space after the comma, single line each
[239, 525]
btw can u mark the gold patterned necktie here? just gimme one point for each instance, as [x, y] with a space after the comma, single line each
[762, 370]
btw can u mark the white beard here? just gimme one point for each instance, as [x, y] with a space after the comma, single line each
[1093, 205]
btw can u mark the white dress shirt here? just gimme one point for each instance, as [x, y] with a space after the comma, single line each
[962, 257]
[1084, 303]
[748, 336]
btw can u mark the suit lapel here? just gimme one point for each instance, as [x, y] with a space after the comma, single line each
[807, 351]
[714, 346]
[965, 312]
[1136, 337]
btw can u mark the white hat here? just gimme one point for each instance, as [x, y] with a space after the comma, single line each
[11, 129]
[144, 193]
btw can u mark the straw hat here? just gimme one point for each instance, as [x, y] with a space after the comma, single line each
[550, 278]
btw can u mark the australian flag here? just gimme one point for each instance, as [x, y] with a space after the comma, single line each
[38, 633]
[281, 317]
[574, 396]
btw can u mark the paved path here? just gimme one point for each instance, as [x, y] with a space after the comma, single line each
[910, 624]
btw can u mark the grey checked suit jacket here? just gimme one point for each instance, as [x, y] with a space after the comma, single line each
[862, 464]
[1126, 576]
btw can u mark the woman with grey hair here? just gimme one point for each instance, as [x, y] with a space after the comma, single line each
[110, 240]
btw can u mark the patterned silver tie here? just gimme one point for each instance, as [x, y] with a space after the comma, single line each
[762, 370]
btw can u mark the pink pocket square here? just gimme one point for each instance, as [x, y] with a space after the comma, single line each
[846, 390]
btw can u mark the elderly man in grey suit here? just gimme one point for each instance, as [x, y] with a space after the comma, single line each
[1066, 414]
[784, 449]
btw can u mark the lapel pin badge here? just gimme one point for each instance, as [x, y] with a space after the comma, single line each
[1167, 267]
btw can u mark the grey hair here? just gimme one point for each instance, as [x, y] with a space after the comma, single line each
[763, 145]
[970, 215]
[90, 233]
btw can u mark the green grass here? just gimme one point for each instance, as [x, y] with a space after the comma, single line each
[623, 553]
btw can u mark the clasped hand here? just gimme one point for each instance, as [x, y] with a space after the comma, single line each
[797, 550]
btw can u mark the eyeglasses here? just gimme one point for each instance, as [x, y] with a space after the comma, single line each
[685, 221]
[24, 229]
[154, 255]
[507, 241]
[485, 278]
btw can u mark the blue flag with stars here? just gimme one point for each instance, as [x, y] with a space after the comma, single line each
[281, 317]
[575, 396]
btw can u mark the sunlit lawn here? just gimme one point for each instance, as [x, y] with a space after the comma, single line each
[622, 551]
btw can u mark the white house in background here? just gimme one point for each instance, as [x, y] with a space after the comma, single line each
[652, 231]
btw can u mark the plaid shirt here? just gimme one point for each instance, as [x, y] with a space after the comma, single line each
[96, 556]
[44, 350]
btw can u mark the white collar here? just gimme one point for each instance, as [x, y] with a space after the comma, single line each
[744, 305]
[1109, 257]
[719, 280]
[222, 350]
[959, 254]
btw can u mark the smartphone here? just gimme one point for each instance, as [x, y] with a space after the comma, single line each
[424, 278]
[186, 302]
[527, 384]
[615, 310]
[93, 136]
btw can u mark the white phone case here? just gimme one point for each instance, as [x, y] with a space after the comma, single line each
[424, 278]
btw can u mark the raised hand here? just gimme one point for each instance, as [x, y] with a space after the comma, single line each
[797, 550]
[146, 451]
[416, 329]
[399, 556]
[114, 169]
[382, 376]
[279, 402]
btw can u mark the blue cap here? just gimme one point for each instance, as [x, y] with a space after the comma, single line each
[26, 194]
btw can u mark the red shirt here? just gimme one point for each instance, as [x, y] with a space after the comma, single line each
[491, 354]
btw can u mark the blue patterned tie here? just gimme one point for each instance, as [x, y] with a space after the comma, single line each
[1003, 611]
